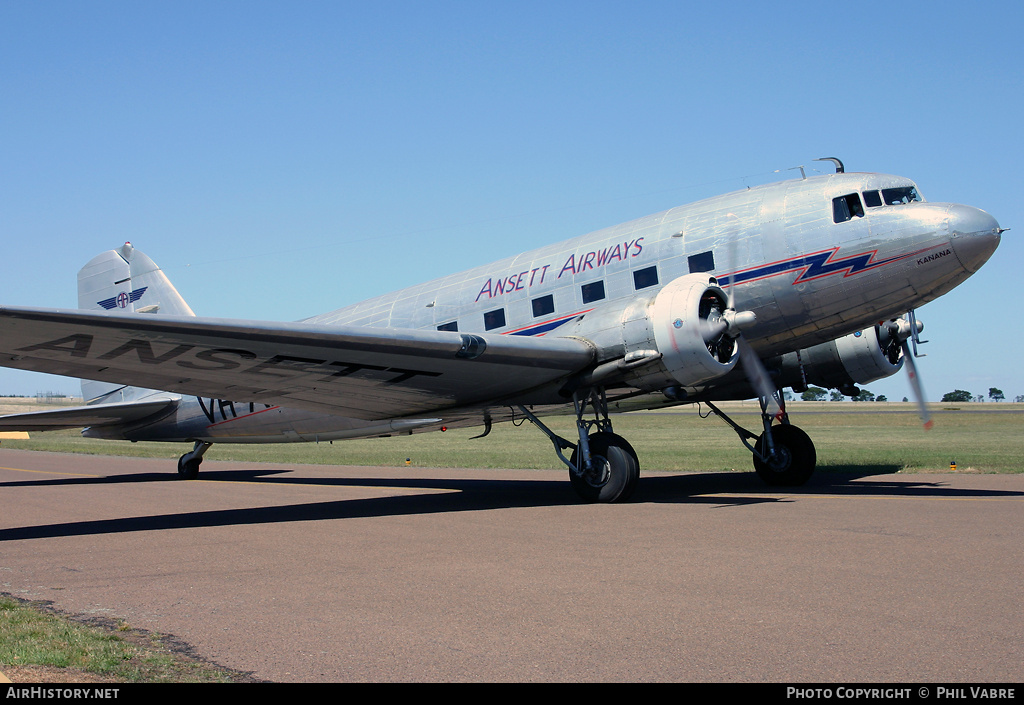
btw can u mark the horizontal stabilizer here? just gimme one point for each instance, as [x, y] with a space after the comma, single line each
[89, 415]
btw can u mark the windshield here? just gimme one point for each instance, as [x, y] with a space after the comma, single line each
[896, 196]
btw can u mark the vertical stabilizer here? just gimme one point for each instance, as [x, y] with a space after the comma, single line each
[125, 281]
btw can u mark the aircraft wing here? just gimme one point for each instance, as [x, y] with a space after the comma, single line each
[360, 372]
[89, 415]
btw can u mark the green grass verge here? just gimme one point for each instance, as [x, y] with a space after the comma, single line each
[45, 646]
[979, 438]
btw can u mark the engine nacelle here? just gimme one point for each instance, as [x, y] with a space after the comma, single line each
[675, 324]
[857, 358]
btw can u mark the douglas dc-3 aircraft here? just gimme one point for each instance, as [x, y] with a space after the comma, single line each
[807, 281]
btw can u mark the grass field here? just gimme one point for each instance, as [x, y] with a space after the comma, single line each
[41, 645]
[874, 437]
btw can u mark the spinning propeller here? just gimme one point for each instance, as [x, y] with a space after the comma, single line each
[902, 332]
[723, 331]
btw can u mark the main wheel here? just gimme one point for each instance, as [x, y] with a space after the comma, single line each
[188, 469]
[614, 470]
[794, 459]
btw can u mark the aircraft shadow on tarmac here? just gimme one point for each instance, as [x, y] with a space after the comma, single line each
[472, 494]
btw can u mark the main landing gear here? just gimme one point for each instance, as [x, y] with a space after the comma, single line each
[603, 466]
[188, 464]
[784, 456]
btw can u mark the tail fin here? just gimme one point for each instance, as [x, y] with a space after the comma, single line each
[125, 280]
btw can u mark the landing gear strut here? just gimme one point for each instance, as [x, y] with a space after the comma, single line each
[784, 456]
[188, 464]
[603, 466]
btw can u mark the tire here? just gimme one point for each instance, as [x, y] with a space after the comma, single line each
[795, 457]
[615, 470]
[188, 470]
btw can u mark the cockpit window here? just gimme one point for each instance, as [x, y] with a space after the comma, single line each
[846, 207]
[872, 199]
[896, 196]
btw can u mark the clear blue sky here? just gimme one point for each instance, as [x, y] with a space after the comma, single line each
[284, 159]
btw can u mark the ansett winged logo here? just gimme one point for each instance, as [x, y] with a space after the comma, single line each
[123, 299]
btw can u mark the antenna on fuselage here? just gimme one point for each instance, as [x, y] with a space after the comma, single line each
[840, 169]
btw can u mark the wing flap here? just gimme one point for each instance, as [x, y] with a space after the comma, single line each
[361, 372]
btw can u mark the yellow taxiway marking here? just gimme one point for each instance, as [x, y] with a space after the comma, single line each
[865, 496]
[418, 490]
[710, 495]
[49, 472]
[390, 488]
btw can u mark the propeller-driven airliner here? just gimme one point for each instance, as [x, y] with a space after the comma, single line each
[813, 280]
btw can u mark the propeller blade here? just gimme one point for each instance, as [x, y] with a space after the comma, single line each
[759, 378]
[711, 330]
[915, 384]
[732, 231]
[734, 321]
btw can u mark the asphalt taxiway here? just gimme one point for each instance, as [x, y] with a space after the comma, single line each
[336, 573]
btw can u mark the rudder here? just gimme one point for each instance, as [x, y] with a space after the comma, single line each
[125, 281]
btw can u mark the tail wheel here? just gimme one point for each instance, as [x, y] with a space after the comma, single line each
[794, 459]
[614, 471]
[188, 469]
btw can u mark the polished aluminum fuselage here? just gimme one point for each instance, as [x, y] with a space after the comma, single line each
[808, 279]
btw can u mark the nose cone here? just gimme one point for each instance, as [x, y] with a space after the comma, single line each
[974, 235]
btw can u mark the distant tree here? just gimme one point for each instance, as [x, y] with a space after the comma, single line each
[979, 397]
[905, 399]
[864, 395]
[1019, 398]
[957, 395]
[881, 397]
[835, 395]
[787, 395]
[995, 394]
[814, 394]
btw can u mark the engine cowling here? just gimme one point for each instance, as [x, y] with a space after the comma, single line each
[680, 323]
[857, 358]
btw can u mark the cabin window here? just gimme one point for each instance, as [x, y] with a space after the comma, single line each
[897, 196]
[643, 278]
[453, 326]
[701, 262]
[594, 291]
[872, 199]
[543, 306]
[494, 319]
[846, 208]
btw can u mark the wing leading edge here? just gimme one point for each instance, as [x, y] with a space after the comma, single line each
[359, 372]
